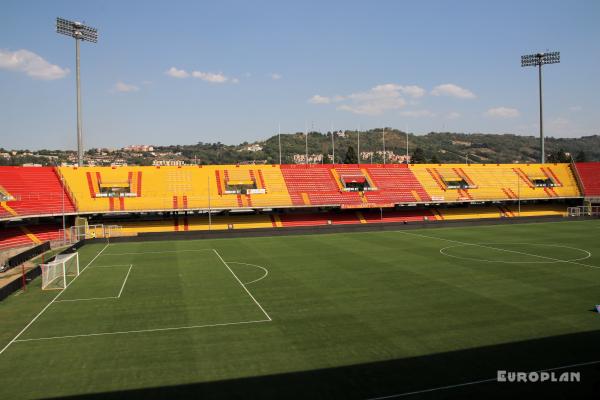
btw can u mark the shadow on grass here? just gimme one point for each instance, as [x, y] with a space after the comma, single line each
[402, 376]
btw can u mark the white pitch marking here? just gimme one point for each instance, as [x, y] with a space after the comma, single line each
[496, 248]
[155, 252]
[111, 266]
[86, 299]
[443, 252]
[125, 281]
[240, 282]
[252, 265]
[51, 302]
[393, 396]
[142, 331]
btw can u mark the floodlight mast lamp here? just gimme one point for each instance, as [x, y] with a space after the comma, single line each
[79, 32]
[538, 60]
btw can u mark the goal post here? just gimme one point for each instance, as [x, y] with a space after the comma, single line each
[55, 273]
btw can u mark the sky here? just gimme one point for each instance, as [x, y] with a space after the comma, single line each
[181, 72]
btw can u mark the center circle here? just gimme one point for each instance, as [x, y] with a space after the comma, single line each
[525, 253]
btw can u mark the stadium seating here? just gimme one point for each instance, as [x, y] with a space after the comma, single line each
[315, 219]
[492, 182]
[174, 188]
[500, 211]
[197, 223]
[589, 174]
[315, 185]
[375, 216]
[396, 184]
[37, 191]
[28, 235]
[32, 191]
[320, 185]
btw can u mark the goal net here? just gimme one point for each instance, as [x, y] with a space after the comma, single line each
[55, 273]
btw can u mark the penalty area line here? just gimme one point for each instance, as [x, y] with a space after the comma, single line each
[124, 281]
[86, 299]
[242, 284]
[155, 252]
[51, 301]
[142, 331]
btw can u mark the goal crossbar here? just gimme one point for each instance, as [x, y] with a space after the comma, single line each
[55, 273]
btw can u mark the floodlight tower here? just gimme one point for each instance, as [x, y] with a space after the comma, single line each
[538, 60]
[79, 32]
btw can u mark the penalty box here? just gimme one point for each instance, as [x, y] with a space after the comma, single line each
[124, 292]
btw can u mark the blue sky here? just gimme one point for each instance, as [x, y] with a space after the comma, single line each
[180, 72]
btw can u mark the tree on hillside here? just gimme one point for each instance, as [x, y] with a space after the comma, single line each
[351, 157]
[558, 156]
[581, 156]
[434, 159]
[418, 156]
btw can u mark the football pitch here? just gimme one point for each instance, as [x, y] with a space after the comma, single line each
[418, 313]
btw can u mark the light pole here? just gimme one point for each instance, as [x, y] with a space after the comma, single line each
[332, 145]
[358, 146]
[306, 137]
[78, 31]
[383, 139]
[538, 60]
[279, 138]
[406, 146]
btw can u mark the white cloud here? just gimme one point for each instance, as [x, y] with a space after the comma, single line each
[575, 108]
[412, 90]
[417, 113]
[276, 76]
[453, 115]
[374, 101]
[450, 89]
[502, 112]
[177, 73]
[123, 87]
[318, 99]
[31, 64]
[210, 76]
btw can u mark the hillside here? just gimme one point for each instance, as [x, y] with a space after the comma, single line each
[443, 147]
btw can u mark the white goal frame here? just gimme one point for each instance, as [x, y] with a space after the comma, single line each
[54, 273]
[582, 211]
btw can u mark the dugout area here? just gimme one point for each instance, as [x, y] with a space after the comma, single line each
[324, 316]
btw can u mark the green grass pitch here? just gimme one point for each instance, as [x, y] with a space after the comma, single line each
[354, 315]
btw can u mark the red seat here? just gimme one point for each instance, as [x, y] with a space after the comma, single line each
[589, 173]
[36, 191]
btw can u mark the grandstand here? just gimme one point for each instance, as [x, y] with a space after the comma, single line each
[226, 197]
